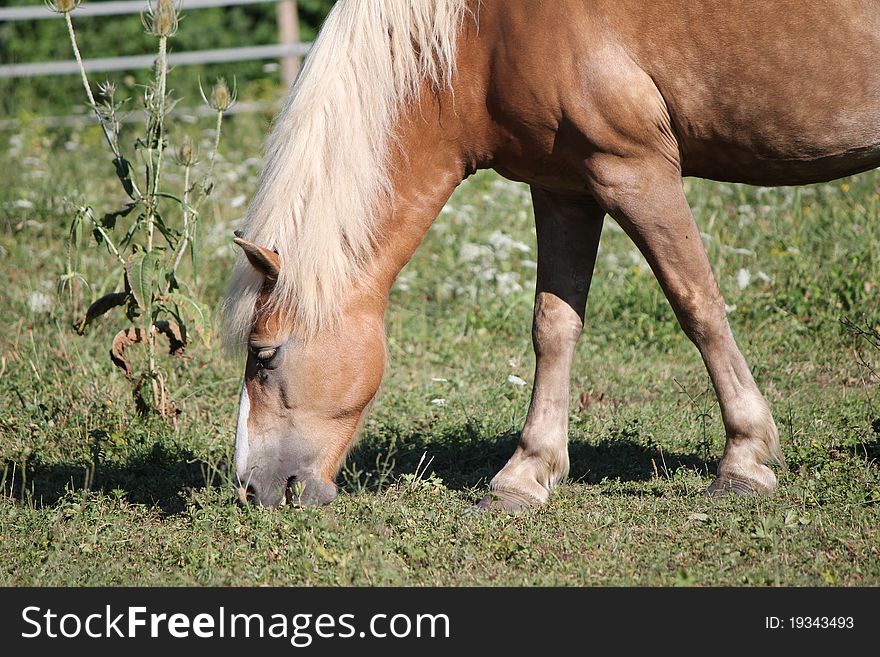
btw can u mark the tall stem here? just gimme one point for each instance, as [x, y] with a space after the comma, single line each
[186, 224]
[107, 240]
[210, 174]
[190, 226]
[108, 135]
[161, 74]
[85, 80]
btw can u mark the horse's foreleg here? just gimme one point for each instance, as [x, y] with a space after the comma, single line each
[648, 201]
[568, 237]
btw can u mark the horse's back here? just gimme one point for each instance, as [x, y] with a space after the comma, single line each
[774, 92]
[788, 91]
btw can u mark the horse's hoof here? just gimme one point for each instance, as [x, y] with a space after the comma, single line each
[738, 486]
[507, 501]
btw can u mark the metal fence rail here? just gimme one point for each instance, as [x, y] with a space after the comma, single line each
[289, 51]
[115, 8]
[131, 62]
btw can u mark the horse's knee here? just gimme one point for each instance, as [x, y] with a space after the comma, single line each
[702, 313]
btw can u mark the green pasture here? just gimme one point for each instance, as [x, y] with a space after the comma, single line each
[93, 494]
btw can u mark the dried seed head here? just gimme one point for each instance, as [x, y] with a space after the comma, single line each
[63, 6]
[107, 89]
[186, 153]
[221, 97]
[162, 18]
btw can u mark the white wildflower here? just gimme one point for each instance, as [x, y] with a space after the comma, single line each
[635, 257]
[238, 201]
[16, 143]
[466, 213]
[446, 290]
[746, 211]
[504, 244]
[39, 302]
[508, 283]
[743, 278]
[404, 280]
[471, 252]
[438, 402]
[515, 380]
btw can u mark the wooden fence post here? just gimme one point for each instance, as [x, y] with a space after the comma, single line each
[288, 34]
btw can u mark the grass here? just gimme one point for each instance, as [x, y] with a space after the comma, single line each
[91, 494]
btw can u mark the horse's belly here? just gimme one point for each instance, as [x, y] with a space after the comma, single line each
[744, 164]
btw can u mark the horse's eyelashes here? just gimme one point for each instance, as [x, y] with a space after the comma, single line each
[263, 355]
[266, 354]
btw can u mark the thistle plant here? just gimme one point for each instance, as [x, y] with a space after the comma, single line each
[146, 239]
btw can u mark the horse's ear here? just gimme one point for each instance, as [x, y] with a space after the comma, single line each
[264, 261]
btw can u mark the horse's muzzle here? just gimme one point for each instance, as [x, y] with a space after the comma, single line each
[273, 491]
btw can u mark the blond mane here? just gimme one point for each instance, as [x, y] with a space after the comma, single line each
[326, 163]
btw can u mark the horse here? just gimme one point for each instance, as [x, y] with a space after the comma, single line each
[602, 107]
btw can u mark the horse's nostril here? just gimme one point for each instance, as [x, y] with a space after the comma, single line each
[290, 490]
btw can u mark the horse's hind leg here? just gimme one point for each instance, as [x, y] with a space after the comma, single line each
[647, 198]
[568, 238]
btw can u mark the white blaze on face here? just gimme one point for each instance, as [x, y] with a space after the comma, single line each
[241, 435]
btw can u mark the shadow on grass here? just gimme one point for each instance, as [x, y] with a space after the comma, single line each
[461, 456]
[157, 478]
[463, 459]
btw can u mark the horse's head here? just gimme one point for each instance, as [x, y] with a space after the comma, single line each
[303, 398]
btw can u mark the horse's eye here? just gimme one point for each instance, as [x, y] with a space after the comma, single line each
[264, 355]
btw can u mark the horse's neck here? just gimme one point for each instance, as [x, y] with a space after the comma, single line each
[428, 161]
[443, 138]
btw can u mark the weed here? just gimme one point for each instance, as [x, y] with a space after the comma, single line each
[153, 295]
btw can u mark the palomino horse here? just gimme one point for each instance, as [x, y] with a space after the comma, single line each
[601, 106]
